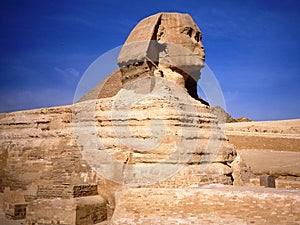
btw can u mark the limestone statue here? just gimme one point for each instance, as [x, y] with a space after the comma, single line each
[166, 45]
[141, 127]
[152, 116]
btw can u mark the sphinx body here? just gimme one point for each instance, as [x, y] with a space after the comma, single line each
[154, 127]
[143, 126]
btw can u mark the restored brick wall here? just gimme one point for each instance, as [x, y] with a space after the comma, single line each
[66, 191]
[37, 147]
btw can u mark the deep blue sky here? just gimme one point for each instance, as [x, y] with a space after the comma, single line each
[253, 48]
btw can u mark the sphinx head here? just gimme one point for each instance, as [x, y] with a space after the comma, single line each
[165, 44]
[180, 41]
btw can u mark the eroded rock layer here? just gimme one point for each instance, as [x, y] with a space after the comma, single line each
[147, 138]
[41, 157]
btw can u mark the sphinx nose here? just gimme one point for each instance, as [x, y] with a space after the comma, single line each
[199, 50]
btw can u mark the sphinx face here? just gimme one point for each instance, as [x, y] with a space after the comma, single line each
[167, 42]
[192, 40]
[182, 38]
[178, 36]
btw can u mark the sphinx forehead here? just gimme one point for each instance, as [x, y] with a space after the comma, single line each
[140, 42]
[147, 28]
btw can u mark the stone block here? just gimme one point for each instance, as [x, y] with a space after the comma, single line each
[16, 211]
[85, 190]
[66, 191]
[80, 211]
[267, 181]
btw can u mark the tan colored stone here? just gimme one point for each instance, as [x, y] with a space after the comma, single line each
[161, 41]
[109, 87]
[242, 173]
[82, 211]
[213, 204]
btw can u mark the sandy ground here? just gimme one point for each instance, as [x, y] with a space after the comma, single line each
[282, 135]
[284, 128]
[269, 147]
[278, 163]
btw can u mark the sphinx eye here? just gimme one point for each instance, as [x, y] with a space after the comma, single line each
[188, 31]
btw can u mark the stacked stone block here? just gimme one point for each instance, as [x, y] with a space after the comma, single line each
[67, 204]
[16, 211]
[66, 191]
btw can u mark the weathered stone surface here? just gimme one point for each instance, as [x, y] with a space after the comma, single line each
[165, 28]
[213, 204]
[242, 172]
[267, 181]
[134, 149]
[137, 47]
[224, 117]
[41, 149]
[287, 183]
[66, 191]
[16, 211]
[10, 197]
[109, 87]
[82, 211]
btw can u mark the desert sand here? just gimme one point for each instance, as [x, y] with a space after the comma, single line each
[280, 135]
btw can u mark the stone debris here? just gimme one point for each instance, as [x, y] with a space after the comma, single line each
[267, 181]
